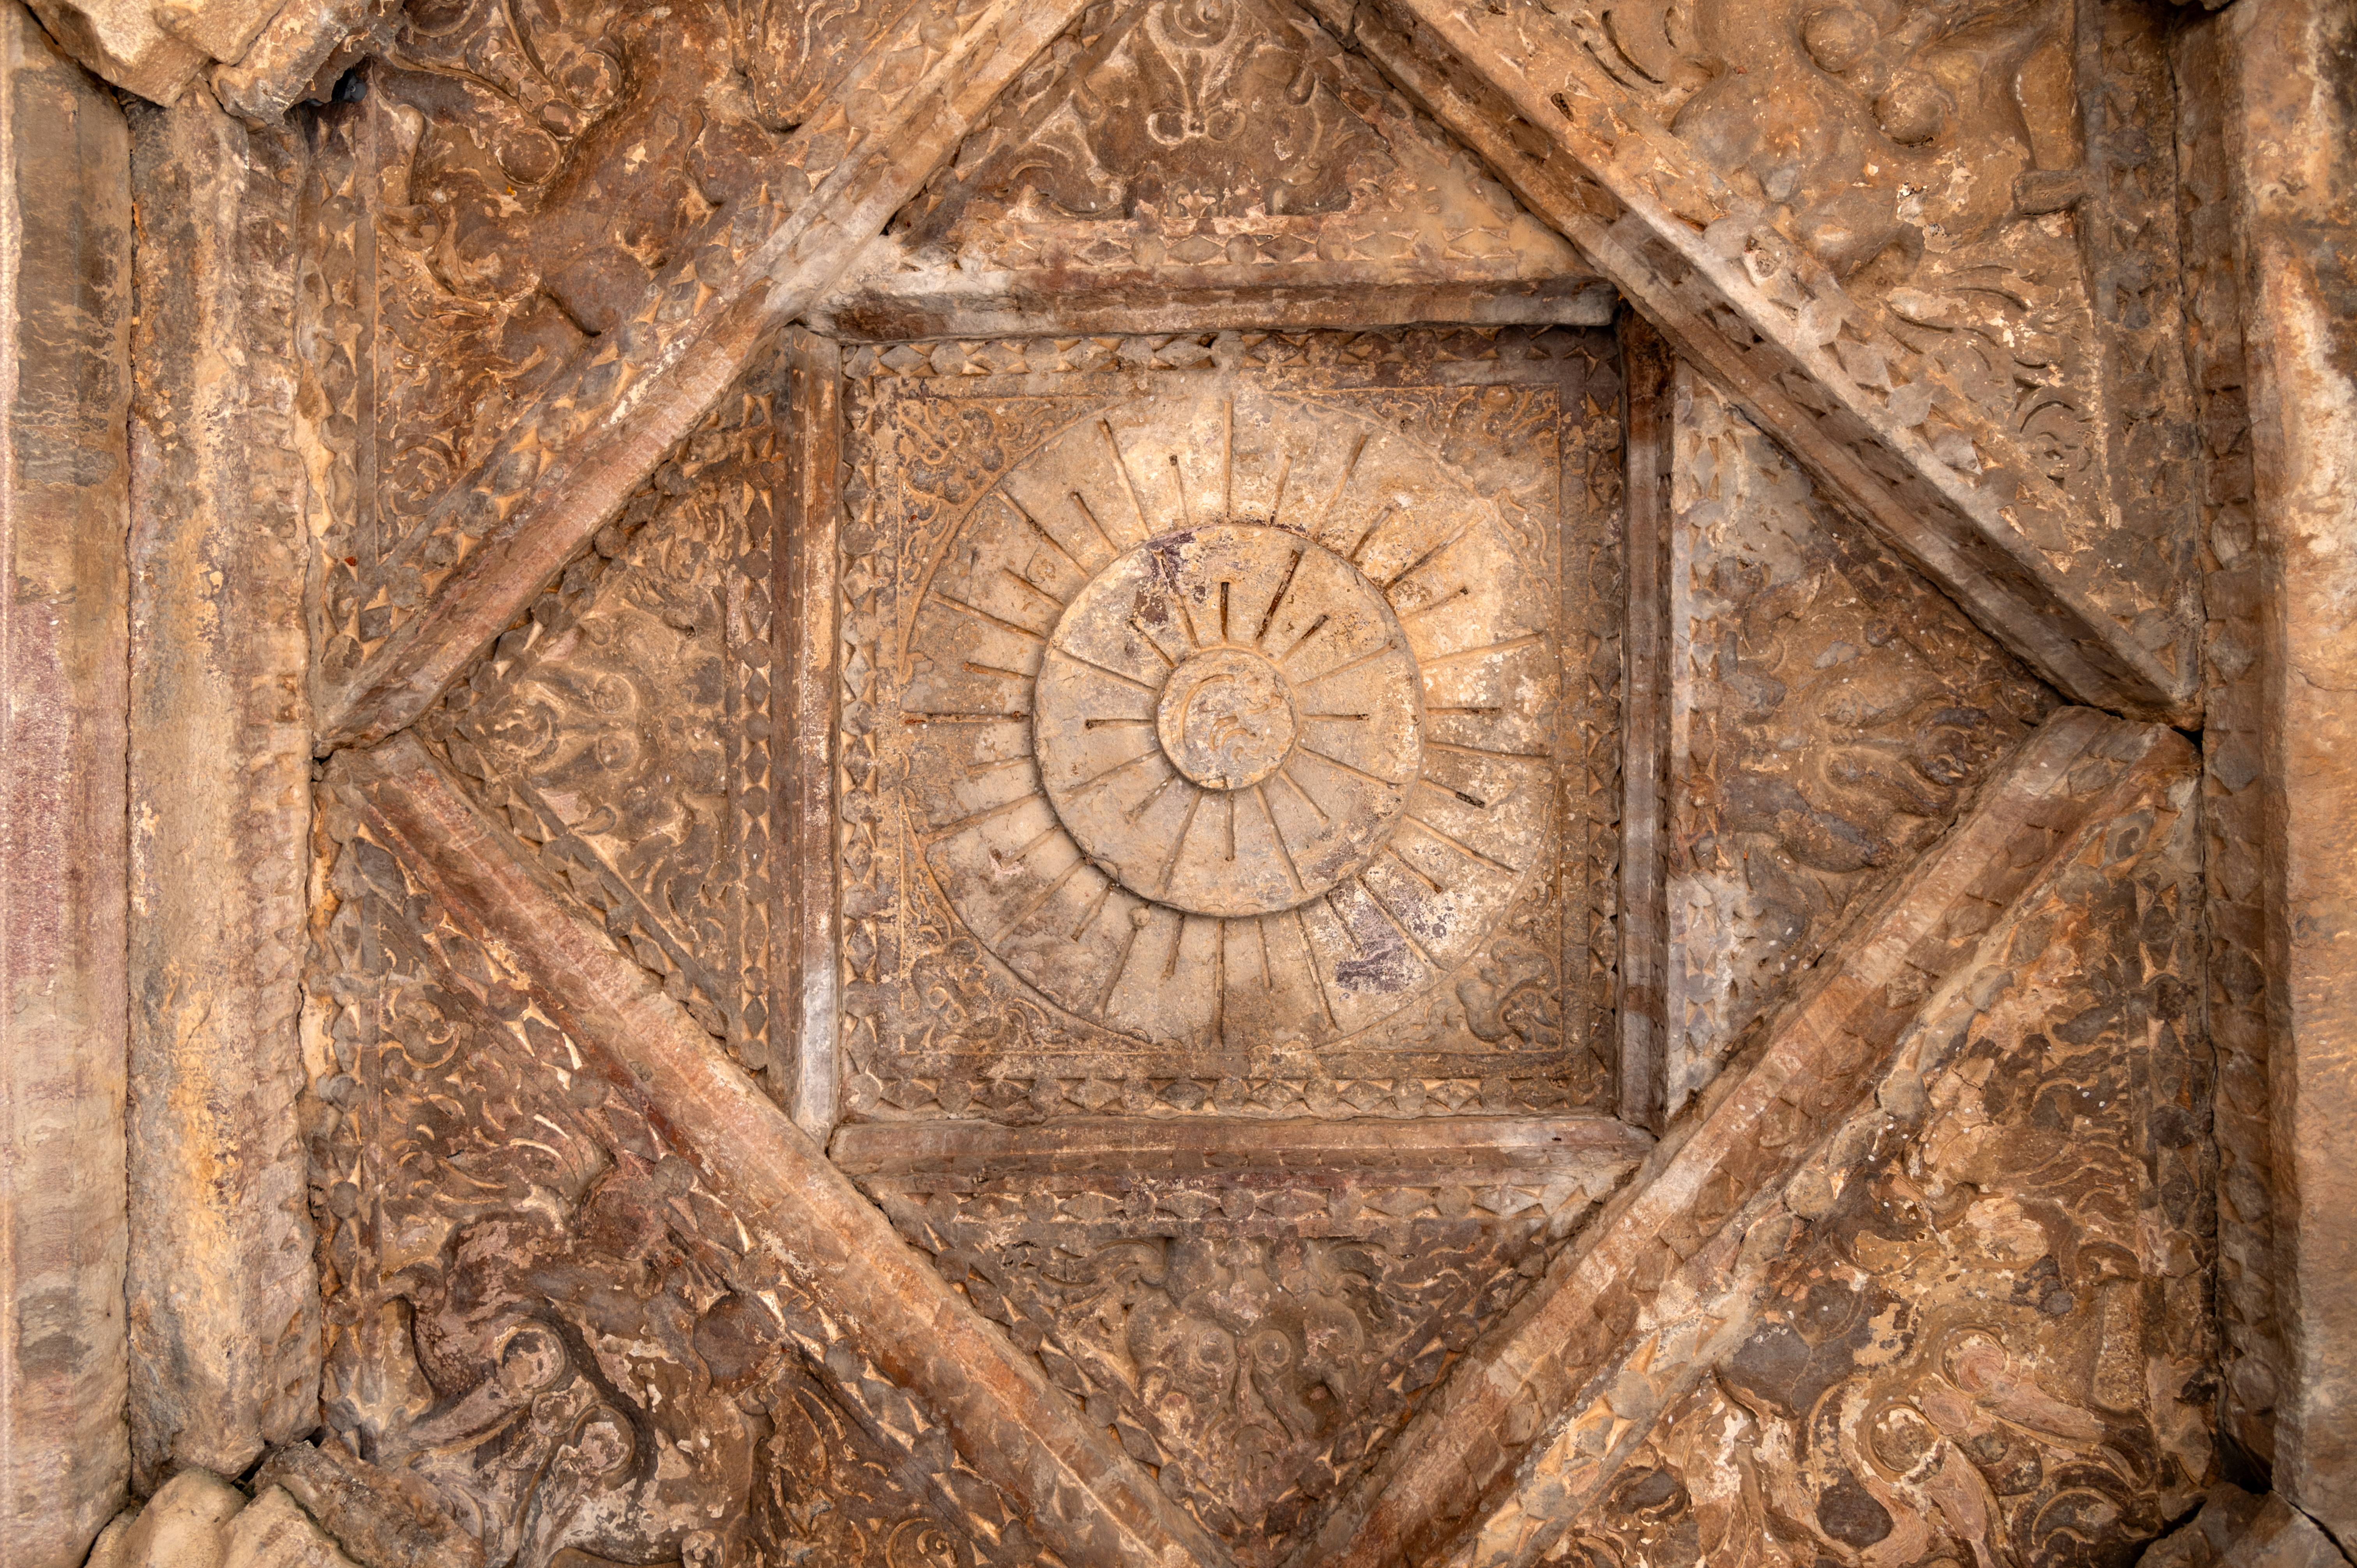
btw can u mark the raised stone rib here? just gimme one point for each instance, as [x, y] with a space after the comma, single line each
[1763, 318]
[1497, 1464]
[574, 457]
[1084, 1499]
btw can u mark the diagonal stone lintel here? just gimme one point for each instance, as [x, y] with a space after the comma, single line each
[1083, 1498]
[1719, 283]
[574, 456]
[1464, 1462]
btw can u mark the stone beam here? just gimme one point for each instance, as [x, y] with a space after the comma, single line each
[65, 379]
[804, 999]
[263, 55]
[1472, 1151]
[223, 1293]
[1645, 719]
[574, 455]
[129, 44]
[1884, 431]
[1498, 1457]
[1088, 1501]
[259, 56]
[2233, 741]
[2290, 129]
[1304, 296]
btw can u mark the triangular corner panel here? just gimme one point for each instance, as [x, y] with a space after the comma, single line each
[1201, 166]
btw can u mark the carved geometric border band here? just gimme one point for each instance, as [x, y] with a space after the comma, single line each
[1498, 1417]
[805, 1000]
[1648, 367]
[1092, 1503]
[1996, 533]
[1247, 1180]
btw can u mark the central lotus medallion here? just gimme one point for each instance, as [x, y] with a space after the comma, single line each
[1228, 720]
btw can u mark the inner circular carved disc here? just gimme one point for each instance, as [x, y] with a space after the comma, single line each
[1226, 718]
[1229, 719]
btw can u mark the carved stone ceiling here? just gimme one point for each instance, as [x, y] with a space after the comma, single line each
[1007, 942]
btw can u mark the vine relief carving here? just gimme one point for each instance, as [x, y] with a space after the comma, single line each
[544, 1322]
[1988, 1343]
[1212, 141]
[510, 194]
[623, 730]
[1226, 733]
[1255, 1326]
[1209, 106]
[1927, 155]
[1836, 713]
[1949, 219]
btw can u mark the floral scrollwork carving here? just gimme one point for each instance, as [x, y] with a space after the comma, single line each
[545, 1322]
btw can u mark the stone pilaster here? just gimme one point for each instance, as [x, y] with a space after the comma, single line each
[2290, 127]
[65, 375]
[224, 1296]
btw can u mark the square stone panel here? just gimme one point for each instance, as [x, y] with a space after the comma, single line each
[1230, 723]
